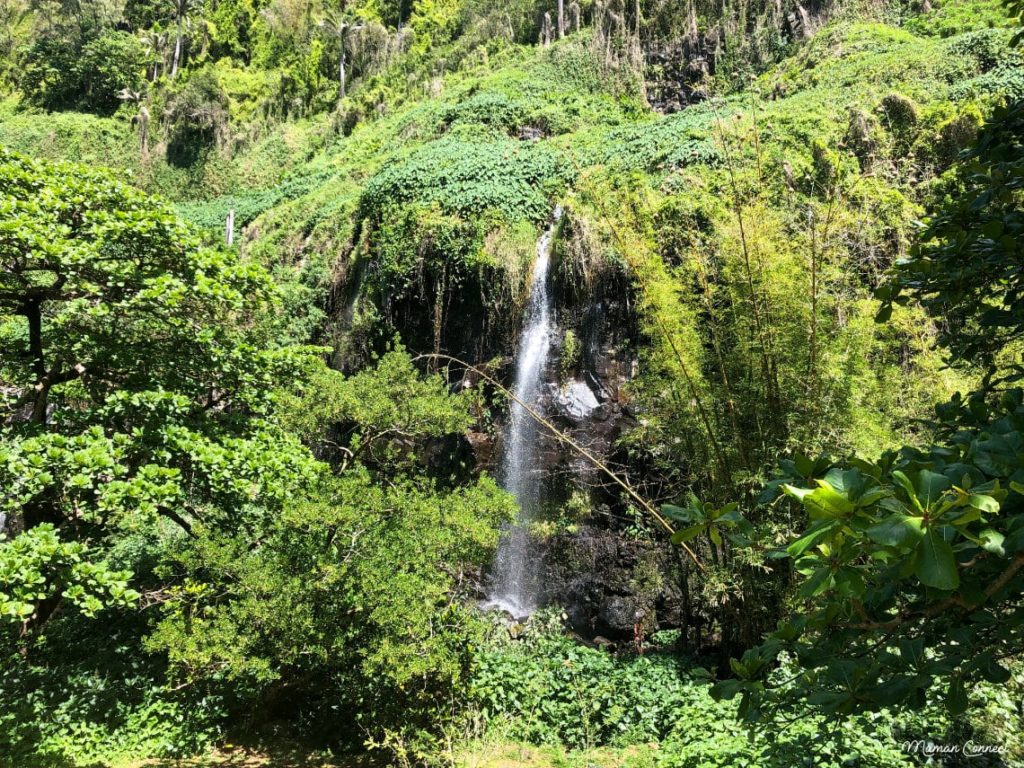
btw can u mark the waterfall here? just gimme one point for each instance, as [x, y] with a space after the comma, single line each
[513, 588]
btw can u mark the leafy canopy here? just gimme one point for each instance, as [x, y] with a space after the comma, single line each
[909, 571]
[966, 269]
[136, 384]
[911, 567]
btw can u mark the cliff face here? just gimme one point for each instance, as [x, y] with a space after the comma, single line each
[608, 583]
[587, 560]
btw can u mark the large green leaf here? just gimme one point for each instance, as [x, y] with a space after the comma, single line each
[956, 699]
[935, 563]
[686, 534]
[897, 530]
[931, 486]
[816, 532]
[826, 502]
[992, 541]
[984, 503]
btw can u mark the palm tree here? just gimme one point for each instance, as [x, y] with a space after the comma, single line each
[156, 45]
[340, 26]
[141, 119]
[181, 20]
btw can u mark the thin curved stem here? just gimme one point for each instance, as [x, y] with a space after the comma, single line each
[562, 437]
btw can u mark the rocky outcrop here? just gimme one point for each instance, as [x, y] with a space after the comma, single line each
[606, 583]
[676, 74]
[604, 578]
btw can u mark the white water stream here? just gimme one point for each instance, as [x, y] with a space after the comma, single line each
[514, 587]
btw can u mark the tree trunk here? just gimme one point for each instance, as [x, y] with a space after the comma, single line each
[561, 19]
[341, 72]
[144, 132]
[33, 312]
[177, 52]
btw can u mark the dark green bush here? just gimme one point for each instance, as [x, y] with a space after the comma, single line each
[1005, 82]
[899, 111]
[673, 142]
[197, 118]
[554, 690]
[57, 74]
[495, 110]
[987, 48]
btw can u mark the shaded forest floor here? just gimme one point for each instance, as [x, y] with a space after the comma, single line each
[263, 755]
[478, 754]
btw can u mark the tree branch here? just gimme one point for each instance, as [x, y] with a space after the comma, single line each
[954, 601]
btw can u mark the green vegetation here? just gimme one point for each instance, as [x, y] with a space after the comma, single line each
[239, 498]
[920, 552]
[154, 438]
[546, 689]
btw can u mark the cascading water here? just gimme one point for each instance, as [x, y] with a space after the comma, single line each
[513, 588]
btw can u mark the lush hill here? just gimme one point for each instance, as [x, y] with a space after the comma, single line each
[287, 548]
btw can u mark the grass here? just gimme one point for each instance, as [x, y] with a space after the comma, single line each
[262, 753]
[489, 753]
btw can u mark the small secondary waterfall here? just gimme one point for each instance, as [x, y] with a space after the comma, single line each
[514, 588]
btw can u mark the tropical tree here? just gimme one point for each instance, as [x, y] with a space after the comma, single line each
[911, 566]
[155, 44]
[341, 25]
[966, 269]
[182, 21]
[135, 385]
[347, 602]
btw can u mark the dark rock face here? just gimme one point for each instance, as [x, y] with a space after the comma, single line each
[593, 569]
[601, 578]
[604, 580]
[676, 73]
[606, 583]
[590, 406]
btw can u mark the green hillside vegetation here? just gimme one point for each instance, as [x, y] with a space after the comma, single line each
[220, 461]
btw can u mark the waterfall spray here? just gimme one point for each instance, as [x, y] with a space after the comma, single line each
[514, 587]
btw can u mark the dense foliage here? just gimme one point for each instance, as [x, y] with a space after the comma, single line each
[548, 689]
[153, 465]
[910, 573]
[966, 270]
[208, 533]
[911, 565]
[137, 395]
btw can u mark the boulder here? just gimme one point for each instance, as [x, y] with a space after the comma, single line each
[607, 582]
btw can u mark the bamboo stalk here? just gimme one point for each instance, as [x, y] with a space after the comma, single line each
[684, 369]
[763, 333]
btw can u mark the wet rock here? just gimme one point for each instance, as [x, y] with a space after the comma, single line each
[531, 133]
[604, 581]
[677, 71]
[484, 448]
[619, 611]
[576, 400]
